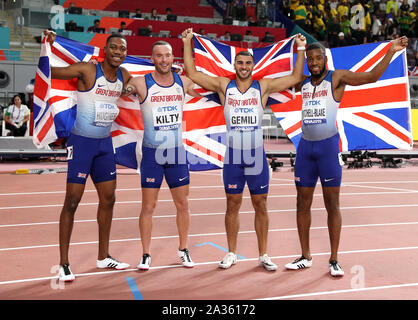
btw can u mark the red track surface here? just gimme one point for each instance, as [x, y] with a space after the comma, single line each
[378, 247]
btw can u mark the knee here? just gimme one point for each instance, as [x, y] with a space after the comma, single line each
[71, 204]
[148, 208]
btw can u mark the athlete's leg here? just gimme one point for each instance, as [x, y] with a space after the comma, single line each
[303, 217]
[106, 193]
[233, 204]
[74, 192]
[149, 202]
[261, 221]
[181, 201]
[332, 204]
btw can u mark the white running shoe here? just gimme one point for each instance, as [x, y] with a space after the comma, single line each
[186, 260]
[335, 269]
[265, 261]
[111, 263]
[65, 273]
[299, 263]
[145, 262]
[228, 260]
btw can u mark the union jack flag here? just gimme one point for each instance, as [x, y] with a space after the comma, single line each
[371, 116]
[204, 129]
[217, 59]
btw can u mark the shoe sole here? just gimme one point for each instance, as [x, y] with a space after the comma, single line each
[226, 267]
[144, 269]
[292, 268]
[112, 268]
[337, 275]
[268, 268]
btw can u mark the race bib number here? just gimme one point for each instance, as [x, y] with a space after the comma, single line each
[244, 119]
[105, 113]
[314, 112]
[166, 117]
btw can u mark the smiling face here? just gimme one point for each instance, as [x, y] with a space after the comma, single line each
[316, 61]
[162, 57]
[244, 65]
[115, 51]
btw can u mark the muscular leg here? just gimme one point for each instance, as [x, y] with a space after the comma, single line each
[106, 193]
[332, 204]
[149, 202]
[181, 201]
[74, 192]
[303, 217]
[233, 204]
[261, 221]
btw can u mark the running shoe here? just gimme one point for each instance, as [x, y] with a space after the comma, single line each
[186, 260]
[145, 262]
[299, 263]
[265, 261]
[65, 273]
[335, 269]
[111, 263]
[228, 260]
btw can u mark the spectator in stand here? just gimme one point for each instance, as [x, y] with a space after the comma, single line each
[345, 26]
[405, 24]
[202, 32]
[138, 14]
[392, 4]
[376, 29]
[341, 42]
[300, 15]
[264, 22]
[319, 27]
[405, 6]
[95, 27]
[226, 36]
[390, 30]
[251, 22]
[168, 11]
[343, 9]
[262, 9]
[17, 116]
[333, 28]
[122, 27]
[154, 15]
[268, 37]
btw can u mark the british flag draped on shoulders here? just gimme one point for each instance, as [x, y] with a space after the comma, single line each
[379, 119]
[373, 116]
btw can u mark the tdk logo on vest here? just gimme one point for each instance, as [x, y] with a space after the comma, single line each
[244, 110]
[167, 109]
[107, 106]
[312, 103]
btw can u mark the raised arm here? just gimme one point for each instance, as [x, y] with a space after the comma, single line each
[203, 80]
[296, 77]
[345, 77]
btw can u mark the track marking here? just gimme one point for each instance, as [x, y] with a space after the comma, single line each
[301, 295]
[205, 199]
[209, 234]
[204, 263]
[209, 214]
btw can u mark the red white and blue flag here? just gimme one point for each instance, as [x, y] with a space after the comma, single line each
[204, 129]
[371, 116]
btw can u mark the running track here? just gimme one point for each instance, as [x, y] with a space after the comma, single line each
[378, 248]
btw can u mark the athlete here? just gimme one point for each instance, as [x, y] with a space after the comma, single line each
[245, 160]
[318, 153]
[161, 95]
[90, 149]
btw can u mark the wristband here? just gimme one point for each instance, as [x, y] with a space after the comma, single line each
[300, 48]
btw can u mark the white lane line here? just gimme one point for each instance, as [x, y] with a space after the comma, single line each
[291, 183]
[213, 234]
[209, 214]
[312, 294]
[207, 199]
[209, 263]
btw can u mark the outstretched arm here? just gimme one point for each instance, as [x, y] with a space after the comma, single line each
[296, 77]
[203, 80]
[345, 77]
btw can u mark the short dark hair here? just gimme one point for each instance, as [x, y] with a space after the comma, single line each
[114, 35]
[160, 43]
[244, 53]
[316, 45]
